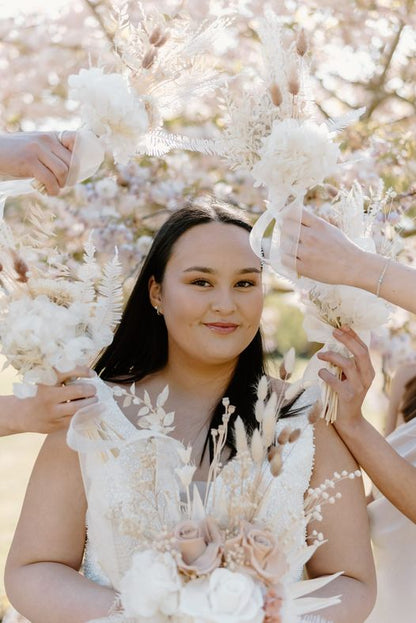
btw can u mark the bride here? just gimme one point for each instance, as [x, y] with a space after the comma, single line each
[192, 323]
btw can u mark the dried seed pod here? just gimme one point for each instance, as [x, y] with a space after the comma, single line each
[149, 58]
[284, 436]
[155, 35]
[302, 43]
[272, 451]
[21, 268]
[294, 435]
[293, 85]
[162, 40]
[276, 464]
[315, 413]
[275, 94]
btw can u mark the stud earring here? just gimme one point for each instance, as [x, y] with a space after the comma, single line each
[158, 310]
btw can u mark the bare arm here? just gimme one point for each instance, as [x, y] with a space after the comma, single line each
[403, 375]
[51, 408]
[37, 154]
[42, 578]
[346, 530]
[392, 475]
[349, 265]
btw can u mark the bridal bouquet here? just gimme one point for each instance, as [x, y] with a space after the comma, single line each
[328, 307]
[50, 320]
[187, 556]
[271, 132]
[162, 61]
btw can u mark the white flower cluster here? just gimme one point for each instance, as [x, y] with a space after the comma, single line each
[51, 325]
[111, 110]
[295, 156]
[152, 590]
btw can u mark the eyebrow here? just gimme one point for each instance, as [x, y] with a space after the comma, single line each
[211, 271]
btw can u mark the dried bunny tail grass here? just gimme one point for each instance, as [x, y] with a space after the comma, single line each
[276, 464]
[288, 364]
[262, 388]
[149, 58]
[275, 94]
[301, 42]
[256, 447]
[283, 436]
[316, 412]
[269, 427]
[294, 435]
[241, 441]
[20, 267]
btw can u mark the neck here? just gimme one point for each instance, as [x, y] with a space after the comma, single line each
[192, 378]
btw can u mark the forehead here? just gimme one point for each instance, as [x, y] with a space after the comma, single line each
[214, 244]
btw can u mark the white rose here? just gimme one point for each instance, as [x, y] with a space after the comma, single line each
[224, 597]
[151, 587]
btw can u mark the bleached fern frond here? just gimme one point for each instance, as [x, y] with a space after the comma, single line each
[42, 227]
[88, 272]
[6, 236]
[110, 289]
[158, 143]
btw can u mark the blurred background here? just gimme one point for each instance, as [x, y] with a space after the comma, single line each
[362, 53]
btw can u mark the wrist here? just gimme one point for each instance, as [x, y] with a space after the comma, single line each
[350, 428]
[365, 270]
[12, 418]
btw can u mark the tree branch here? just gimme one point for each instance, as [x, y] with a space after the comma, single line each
[93, 9]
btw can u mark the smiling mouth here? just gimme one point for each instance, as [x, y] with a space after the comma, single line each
[221, 327]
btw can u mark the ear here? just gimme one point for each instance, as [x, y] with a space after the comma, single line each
[155, 292]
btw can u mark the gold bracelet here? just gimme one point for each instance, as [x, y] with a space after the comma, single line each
[381, 278]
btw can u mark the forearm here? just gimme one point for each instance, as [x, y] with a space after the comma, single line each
[391, 474]
[357, 600]
[47, 592]
[398, 285]
[9, 416]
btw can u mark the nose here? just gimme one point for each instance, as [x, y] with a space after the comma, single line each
[223, 301]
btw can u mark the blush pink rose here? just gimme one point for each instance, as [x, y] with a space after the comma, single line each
[261, 553]
[200, 545]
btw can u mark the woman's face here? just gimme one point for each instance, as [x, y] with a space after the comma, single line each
[211, 295]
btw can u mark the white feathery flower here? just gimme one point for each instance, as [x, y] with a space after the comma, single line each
[111, 110]
[296, 155]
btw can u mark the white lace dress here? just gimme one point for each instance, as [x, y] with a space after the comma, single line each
[110, 448]
[394, 545]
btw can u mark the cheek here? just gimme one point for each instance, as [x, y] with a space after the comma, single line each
[180, 302]
[255, 309]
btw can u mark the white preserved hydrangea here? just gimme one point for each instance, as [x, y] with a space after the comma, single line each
[150, 589]
[296, 155]
[111, 110]
[48, 335]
